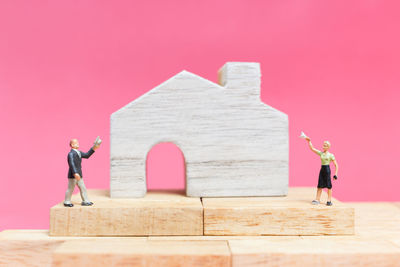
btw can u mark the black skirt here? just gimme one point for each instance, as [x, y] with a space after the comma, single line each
[324, 180]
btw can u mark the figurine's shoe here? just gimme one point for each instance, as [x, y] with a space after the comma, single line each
[315, 202]
[87, 203]
[70, 205]
[329, 203]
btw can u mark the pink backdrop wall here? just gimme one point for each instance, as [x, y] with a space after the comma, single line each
[65, 66]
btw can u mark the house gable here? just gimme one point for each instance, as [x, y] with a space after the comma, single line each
[184, 80]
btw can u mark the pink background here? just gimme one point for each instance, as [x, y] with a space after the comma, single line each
[65, 66]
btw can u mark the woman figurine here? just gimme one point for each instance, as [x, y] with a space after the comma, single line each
[324, 180]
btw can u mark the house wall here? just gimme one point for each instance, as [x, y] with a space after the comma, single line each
[233, 145]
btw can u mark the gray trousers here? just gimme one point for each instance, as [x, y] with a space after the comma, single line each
[71, 187]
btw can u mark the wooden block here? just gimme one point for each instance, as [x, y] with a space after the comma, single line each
[35, 247]
[233, 144]
[396, 241]
[123, 252]
[44, 235]
[376, 219]
[216, 237]
[27, 248]
[27, 235]
[315, 251]
[291, 215]
[23, 253]
[159, 213]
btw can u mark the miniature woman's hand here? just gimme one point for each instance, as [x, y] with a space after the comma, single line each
[335, 177]
[308, 139]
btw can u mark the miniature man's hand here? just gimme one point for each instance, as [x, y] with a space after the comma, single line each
[97, 143]
[96, 147]
[77, 176]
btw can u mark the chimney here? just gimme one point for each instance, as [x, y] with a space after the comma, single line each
[241, 77]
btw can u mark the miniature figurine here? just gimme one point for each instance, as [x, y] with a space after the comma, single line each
[324, 180]
[75, 171]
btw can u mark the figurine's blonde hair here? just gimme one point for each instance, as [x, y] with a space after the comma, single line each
[329, 143]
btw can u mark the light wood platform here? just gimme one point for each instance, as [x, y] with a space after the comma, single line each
[36, 247]
[291, 215]
[372, 217]
[129, 252]
[314, 251]
[161, 213]
[158, 213]
[376, 243]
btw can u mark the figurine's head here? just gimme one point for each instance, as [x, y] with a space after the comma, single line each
[326, 145]
[74, 143]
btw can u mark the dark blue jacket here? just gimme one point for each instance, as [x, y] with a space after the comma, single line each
[75, 162]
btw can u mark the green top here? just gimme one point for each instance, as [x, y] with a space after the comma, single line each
[326, 158]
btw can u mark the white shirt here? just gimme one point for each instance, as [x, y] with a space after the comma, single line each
[79, 153]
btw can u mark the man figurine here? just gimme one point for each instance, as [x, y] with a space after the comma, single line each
[75, 172]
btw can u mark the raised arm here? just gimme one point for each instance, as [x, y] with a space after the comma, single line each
[87, 154]
[311, 147]
[92, 149]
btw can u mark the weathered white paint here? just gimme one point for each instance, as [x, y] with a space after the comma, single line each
[233, 144]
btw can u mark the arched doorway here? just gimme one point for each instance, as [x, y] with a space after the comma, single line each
[165, 168]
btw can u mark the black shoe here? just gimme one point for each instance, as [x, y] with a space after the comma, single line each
[70, 205]
[87, 203]
[329, 203]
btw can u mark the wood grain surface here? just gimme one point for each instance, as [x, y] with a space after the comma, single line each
[142, 253]
[159, 213]
[315, 251]
[376, 243]
[377, 219]
[291, 215]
